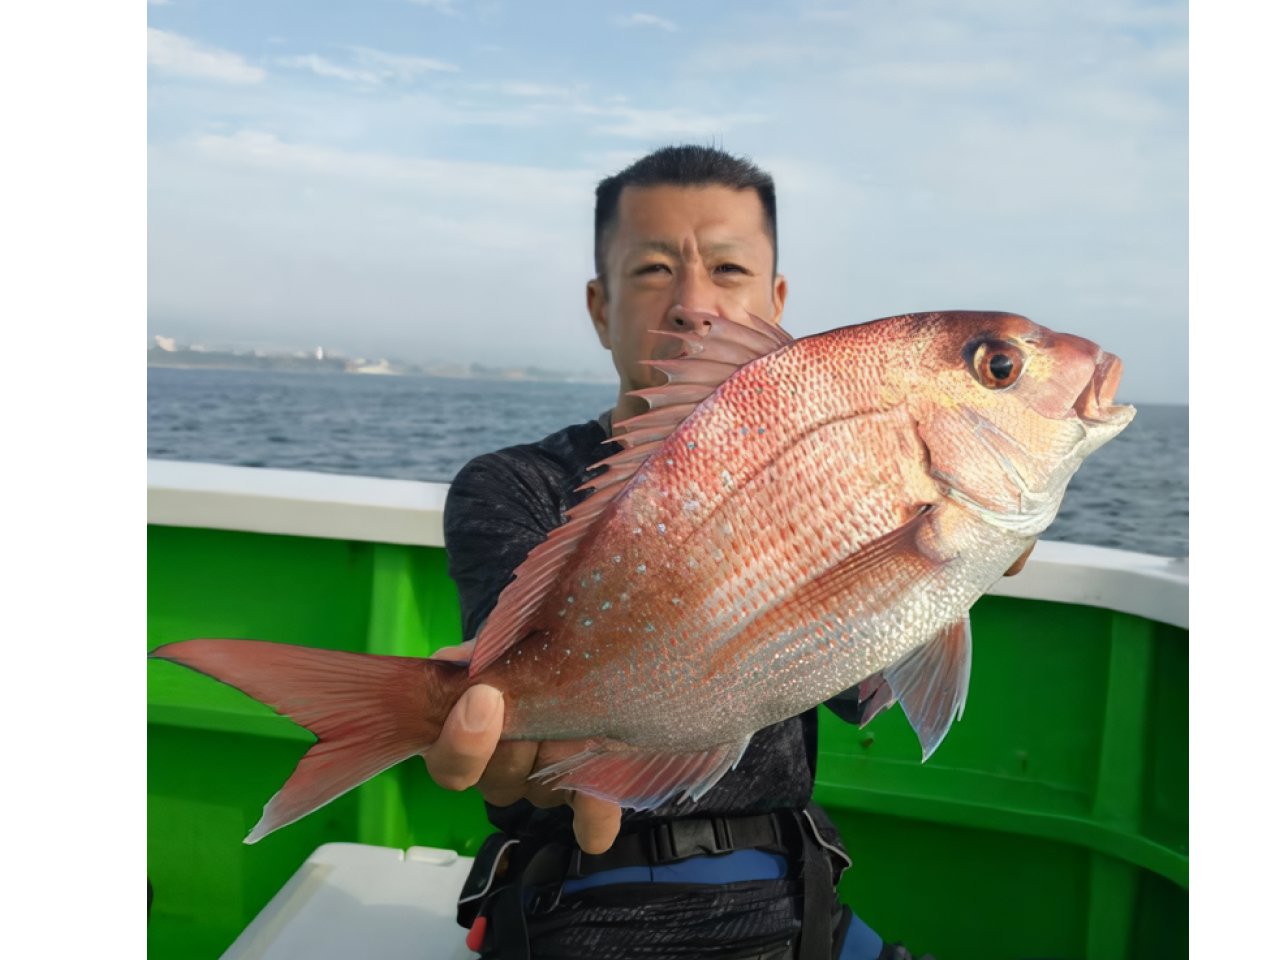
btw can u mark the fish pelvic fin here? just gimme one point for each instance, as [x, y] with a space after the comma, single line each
[367, 711]
[714, 349]
[931, 683]
[641, 779]
[874, 695]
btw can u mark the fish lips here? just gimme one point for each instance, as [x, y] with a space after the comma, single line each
[1096, 402]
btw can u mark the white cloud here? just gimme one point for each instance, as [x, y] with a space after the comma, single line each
[646, 20]
[638, 124]
[327, 68]
[537, 90]
[401, 67]
[448, 7]
[937, 75]
[455, 179]
[172, 53]
[372, 67]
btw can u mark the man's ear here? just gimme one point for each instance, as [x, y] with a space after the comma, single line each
[779, 296]
[597, 306]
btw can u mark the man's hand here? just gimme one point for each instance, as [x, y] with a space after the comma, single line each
[1021, 561]
[469, 753]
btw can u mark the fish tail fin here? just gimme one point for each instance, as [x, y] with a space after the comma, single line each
[368, 712]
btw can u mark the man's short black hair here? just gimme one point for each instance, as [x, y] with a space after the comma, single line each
[685, 166]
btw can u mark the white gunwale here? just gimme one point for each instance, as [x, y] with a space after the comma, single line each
[334, 506]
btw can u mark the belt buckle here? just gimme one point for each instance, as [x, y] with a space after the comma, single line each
[662, 843]
[674, 840]
[722, 834]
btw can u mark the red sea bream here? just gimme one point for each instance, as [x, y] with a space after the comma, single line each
[791, 519]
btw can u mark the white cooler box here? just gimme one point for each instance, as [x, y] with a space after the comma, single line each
[352, 900]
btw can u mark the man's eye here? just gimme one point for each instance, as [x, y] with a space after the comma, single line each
[652, 268]
[730, 268]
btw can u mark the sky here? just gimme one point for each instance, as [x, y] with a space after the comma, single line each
[414, 178]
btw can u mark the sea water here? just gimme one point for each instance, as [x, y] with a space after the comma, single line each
[1131, 494]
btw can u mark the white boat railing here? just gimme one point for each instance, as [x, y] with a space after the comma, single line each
[305, 504]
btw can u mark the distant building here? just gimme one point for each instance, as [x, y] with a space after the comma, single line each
[167, 344]
[319, 353]
[382, 366]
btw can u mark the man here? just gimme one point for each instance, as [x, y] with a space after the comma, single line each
[685, 229]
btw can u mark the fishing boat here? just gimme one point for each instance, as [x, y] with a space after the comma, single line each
[1051, 822]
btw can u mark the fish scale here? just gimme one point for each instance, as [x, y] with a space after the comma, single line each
[792, 519]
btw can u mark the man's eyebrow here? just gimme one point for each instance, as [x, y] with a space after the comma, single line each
[654, 246]
[664, 246]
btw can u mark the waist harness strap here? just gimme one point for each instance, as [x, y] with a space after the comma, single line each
[549, 865]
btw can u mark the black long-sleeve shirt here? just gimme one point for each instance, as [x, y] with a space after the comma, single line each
[500, 506]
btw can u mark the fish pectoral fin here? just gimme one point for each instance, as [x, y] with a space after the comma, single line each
[642, 779]
[932, 682]
[878, 573]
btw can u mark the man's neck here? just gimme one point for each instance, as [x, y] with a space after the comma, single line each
[628, 407]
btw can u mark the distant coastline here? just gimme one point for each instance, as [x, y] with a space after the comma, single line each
[167, 354]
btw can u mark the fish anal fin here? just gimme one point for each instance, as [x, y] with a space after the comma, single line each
[715, 347]
[932, 683]
[640, 779]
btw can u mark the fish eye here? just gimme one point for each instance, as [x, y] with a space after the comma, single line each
[996, 364]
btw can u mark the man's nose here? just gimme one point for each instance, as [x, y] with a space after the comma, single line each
[695, 293]
[683, 320]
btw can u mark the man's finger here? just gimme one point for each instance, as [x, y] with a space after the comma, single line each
[467, 740]
[545, 795]
[506, 778]
[595, 822]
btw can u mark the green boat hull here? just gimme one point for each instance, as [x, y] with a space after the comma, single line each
[1051, 823]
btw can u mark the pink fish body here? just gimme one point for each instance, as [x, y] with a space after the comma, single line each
[792, 519]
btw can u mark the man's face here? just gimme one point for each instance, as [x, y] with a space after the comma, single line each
[675, 250]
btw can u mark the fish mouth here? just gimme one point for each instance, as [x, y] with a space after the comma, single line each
[1096, 403]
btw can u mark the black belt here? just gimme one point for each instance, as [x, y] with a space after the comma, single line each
[670, 841]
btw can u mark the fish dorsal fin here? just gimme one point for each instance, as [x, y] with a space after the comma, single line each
[714, 349]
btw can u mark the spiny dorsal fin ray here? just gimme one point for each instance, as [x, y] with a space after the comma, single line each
[714, 349]
[706, 372]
